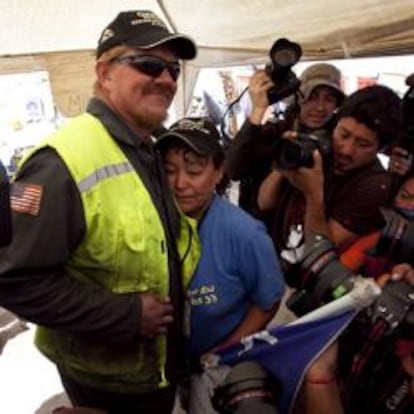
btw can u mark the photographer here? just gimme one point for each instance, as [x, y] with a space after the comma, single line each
[249, 157]
[340, 197]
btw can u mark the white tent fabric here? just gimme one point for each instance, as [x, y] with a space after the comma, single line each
[230, 32]
[227, 31]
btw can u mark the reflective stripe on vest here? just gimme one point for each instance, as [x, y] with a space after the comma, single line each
[102, 174]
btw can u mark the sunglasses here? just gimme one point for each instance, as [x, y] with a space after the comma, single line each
[150, 65]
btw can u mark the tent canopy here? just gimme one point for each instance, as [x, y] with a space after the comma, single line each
[60, 36]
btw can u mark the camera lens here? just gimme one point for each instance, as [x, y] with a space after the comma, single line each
[319, 277]
[247, 389]
[285, 53]
[284, 57]
[291, 156]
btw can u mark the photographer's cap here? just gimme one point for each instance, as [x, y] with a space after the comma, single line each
[320, 74]
[143, 29]
[200, 134]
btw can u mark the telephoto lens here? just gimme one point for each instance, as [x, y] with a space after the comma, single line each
[247, 389]
[319, 277]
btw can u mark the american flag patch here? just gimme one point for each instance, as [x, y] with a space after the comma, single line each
[25, 198]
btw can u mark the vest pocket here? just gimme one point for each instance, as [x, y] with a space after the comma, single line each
[140, 256]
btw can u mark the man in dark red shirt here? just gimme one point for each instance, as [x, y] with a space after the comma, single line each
[344, 200]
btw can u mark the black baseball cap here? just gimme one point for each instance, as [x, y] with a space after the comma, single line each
[200, 134]
[143, 29]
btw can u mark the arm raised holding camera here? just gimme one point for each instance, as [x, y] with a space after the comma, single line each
[252, 145]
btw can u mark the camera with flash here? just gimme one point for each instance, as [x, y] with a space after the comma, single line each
[283, 55]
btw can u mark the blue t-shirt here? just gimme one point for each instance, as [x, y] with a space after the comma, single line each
[238, 267]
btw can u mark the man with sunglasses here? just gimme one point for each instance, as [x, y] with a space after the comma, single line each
[100, 255]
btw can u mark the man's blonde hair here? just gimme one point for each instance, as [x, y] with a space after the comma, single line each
[106, 57]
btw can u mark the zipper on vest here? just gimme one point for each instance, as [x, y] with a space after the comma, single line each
[162, 246]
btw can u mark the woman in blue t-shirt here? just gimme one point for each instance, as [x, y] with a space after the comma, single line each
[238, 284]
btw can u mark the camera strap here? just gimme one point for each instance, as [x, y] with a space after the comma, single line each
[389, 312]
[375, 336]
[380, 386]
[377, 362]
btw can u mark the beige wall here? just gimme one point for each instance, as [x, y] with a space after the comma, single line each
[71, 76]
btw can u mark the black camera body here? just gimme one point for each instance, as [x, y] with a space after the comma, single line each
[287, 85]
[291, 154]
[283, 55]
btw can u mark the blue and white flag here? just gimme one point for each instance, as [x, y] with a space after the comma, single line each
[287, 351]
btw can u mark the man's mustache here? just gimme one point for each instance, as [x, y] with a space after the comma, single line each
[166, 91]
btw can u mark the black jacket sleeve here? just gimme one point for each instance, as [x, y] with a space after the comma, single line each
[252, 148]
[33, 282]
